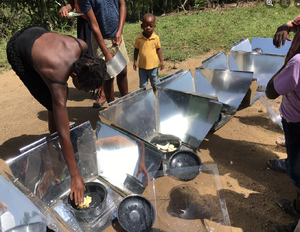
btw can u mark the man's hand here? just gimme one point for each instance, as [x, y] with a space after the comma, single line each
[77, 189]
[281, 36]
[63, 12]
[118, 40]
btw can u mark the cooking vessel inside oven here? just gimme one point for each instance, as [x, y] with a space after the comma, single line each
[134, 185]
[98, 193]
[164, 139]
[188, 161]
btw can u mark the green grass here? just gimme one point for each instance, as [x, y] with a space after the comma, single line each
[184, 36]
[189, 35]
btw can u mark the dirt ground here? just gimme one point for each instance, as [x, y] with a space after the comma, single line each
[241, 148]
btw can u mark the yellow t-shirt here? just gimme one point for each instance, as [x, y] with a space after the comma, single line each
[147, 51]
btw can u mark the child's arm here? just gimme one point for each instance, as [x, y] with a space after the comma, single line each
[159, 54]
[136, 54]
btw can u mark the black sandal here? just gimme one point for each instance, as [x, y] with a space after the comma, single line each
[98, 95]
[289, 207]
[289, 228]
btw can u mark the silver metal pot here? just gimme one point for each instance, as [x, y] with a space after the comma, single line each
[134, 185]
[31, 227]
[117, 63]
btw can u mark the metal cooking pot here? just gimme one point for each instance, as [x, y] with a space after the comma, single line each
[117, 63]
[187, 160]
[134, 185]
[98, 193]
[31, 227]
[164, 139]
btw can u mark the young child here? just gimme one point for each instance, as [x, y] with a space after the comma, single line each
[147, 46]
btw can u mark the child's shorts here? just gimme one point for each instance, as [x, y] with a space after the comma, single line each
[151, 74]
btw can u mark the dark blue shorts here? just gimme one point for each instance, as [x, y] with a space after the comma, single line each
[292, 140]
[151, 74]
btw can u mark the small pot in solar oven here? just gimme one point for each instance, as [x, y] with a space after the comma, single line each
[164, 140]
[98, 193]
[134, 185]
[188, 161]
[136, 214]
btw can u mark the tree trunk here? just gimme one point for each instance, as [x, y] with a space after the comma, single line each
[150, 6]
[182, 5]
[134, 10]
[165, 6]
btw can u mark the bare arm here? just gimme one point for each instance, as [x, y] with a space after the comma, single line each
[159, 54]
[59, 99]
[91, 18]
[121, 22]
[136, 54]
[271, 93]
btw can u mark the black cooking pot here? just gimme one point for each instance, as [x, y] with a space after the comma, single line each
[165, 139]
[184, 165]
[136, 214]
[134, 185]
[32, 227]
[98, 193]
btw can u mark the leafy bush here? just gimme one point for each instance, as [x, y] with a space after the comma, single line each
[15, 14]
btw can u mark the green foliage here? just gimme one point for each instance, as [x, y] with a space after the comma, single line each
[189, 35]
[16, 14]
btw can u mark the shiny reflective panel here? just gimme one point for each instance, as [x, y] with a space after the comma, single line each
[171, 75]
[16, 210]
[43, 170]
[216, 61]
[123, 159]
[183, 81]
[241, 45]
[136, 112]
[229, 86]
[186, 116]
[266, 45]
[264, 66]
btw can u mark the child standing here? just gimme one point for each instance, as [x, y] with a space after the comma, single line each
[147, 46]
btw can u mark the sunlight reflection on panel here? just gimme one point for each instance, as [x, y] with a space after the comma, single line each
[172, 112]
[167, 126]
